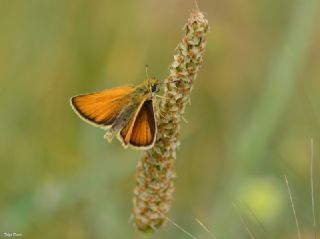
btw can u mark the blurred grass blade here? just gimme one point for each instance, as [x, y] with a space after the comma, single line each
[284, 71]
[293, 208]
[244, 223]
[206, 228]
[312, 187]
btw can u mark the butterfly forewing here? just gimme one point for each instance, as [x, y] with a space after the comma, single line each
[101, 108]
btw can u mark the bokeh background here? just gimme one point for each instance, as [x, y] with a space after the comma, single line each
[255, 108]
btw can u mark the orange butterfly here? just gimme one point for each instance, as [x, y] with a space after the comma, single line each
[127, 112]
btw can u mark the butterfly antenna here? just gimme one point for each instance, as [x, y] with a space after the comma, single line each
[173, 81]
[196, 5]
[147, 72]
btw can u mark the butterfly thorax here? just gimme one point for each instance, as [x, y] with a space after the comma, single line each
[142, 93]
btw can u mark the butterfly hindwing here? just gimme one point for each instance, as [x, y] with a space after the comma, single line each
[101, 108]
[141, 130]
[125, 133]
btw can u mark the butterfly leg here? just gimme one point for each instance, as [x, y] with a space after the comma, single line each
[162, 97]
[158, 109]
[109, 135]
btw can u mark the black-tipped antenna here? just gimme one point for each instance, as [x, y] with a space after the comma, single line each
[168, 82]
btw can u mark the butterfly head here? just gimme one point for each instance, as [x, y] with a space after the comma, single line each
[152, 84]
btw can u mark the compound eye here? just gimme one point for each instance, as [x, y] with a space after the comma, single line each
[154, 88]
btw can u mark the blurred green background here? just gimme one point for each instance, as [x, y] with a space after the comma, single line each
[255, 107]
